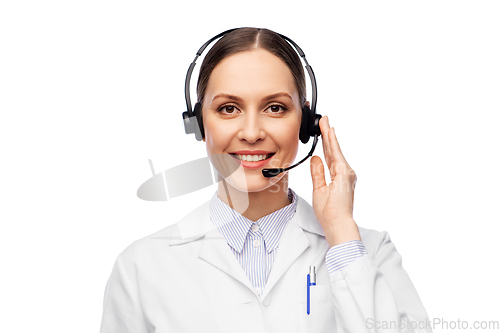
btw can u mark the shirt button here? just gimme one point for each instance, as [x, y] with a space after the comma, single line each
[257, 290]
[255, 227]
[256, 242]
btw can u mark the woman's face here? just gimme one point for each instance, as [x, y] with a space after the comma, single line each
[251, 107]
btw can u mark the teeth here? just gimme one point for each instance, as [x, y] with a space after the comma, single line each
[251, 158]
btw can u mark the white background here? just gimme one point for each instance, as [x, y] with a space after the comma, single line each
[91, 90]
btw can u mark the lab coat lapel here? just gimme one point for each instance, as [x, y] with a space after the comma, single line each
[217, 252]
[214, 249]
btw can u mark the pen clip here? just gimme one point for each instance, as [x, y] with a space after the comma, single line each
[312, 272]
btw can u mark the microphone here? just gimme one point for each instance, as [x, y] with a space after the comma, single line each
[268, 173]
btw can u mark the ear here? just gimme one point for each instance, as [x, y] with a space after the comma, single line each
[308, 104]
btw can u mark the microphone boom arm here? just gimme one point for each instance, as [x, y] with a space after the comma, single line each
[268, 173]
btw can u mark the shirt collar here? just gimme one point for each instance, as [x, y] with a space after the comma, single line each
[235, 227]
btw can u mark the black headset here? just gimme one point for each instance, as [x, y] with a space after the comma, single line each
[310, 120]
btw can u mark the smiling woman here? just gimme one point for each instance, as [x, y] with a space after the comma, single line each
[240, 262]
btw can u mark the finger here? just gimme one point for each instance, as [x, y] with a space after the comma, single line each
[317, 173]
[333, 161]
[324, 126]
[338, 157]
[328, 160]
[352, 191]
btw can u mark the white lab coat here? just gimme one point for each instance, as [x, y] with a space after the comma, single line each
[185, 278]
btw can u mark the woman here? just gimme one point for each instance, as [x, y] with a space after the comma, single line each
[239, 262]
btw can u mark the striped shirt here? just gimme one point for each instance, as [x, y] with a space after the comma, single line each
[255, 244]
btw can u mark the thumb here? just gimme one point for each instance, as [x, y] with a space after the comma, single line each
[317, 172]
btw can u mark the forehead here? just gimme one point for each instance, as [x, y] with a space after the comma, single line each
[250, 73]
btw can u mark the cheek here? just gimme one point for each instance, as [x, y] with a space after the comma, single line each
[216, 136]
[287, 138]
[291, 131]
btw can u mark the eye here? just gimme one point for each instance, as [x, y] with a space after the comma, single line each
[277, 108]
[229, 108]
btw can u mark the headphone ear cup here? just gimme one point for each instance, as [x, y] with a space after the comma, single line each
[310, 124]
[314, 128]
[305, 124]
[200, 131]
[193, 122]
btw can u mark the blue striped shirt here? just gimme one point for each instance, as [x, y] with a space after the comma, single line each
[255, 244]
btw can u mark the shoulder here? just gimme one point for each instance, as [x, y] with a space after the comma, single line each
[372, 238]
[193, 225]
[379, 245]
[147, 247]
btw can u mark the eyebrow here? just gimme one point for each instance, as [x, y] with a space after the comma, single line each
[267, 98]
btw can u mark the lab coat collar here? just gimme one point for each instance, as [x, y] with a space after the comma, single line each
[307, 218]
[197, 224]
[214, 248]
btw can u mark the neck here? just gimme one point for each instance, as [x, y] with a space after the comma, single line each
[255, 205]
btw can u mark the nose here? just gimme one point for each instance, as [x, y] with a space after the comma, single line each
[252, 128]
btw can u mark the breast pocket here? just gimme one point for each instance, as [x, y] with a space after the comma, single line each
[322, 312]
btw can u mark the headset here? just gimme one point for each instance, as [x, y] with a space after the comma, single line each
[193, 120]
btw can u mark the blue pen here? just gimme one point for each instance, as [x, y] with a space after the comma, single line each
[311, 281]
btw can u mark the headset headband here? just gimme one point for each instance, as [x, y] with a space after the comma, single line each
[204, 46]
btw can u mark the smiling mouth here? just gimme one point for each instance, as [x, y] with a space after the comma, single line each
[252, 158]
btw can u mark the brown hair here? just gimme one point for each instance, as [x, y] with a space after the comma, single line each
[245, 39]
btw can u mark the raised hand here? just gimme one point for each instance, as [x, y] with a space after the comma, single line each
[333, 203]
